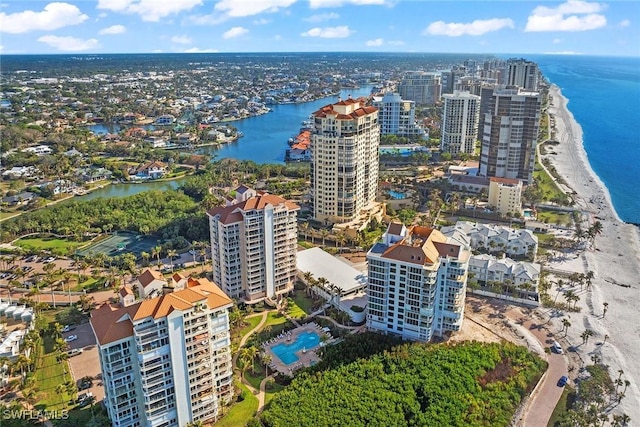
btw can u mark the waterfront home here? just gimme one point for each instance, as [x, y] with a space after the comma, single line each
[89, 175]
[156, 141]
[19, 199]
[151, 170]
[493, 238]
[72, 153]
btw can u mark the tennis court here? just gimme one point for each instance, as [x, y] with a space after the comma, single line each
[121, 243]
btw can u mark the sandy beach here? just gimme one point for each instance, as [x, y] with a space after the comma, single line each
[615, 260]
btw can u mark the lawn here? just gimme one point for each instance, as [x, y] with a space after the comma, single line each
[251, 322]
[5, 215]
[274, 318]
[241, 412]
[54, 244]
[545, 239]
[553, 217]
[547, 186]
[294, 310]
[90, 285]
[49, 373]
[303, 302]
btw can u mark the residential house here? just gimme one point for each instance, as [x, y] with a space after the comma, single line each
[150, 283]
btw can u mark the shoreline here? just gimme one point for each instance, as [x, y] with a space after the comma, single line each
[613, 258]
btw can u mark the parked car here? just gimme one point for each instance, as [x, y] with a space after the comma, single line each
[68, 328]
[74, 352]
[71, 338]
[563, 381]
[556, 347]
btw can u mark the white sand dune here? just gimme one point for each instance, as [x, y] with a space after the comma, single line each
[615, 260]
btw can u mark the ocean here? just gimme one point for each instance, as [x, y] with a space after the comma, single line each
[604, 97]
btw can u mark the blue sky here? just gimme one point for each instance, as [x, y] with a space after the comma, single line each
[130, 26]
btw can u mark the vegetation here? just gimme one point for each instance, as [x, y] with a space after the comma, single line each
[242, 411]
[168, 213]
[469, 384]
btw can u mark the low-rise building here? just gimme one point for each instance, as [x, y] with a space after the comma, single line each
[519, 279]
[150, 283]
[494, 238]
[505, 195]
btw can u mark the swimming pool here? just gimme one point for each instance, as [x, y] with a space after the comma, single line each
[286, 352]
[396, 195]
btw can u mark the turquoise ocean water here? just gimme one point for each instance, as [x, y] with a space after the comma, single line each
[604, 97]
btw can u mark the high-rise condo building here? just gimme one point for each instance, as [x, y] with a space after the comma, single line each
[509, 134]
[344, 164]
[459, 130]
[253, 245]
[522, 73]
[397, 116]
[422, 87]
[166, 361]
[417, 281]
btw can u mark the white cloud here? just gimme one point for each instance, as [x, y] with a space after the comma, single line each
[556, 41]
[563, 52]
[181, 39]
[239, 8]
[475, 28]
[198, 50]
[329, 32]
[317, 4]
[573, 15]
[149, 10]
[625, 23]
[69, 44]
[114, 29]
[234, 32]
[376, 42]
[53, 16]
[322, 17]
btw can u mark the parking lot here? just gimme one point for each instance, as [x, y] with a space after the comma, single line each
[86, 363]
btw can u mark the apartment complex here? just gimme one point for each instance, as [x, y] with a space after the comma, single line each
[421, 87]
[253, 245]
[166, 361]
[522, 73]
[493, 238]
[505, 195]
[416, 283]
[397, 116]
[509, 134]
[459, 130]
[344, 166]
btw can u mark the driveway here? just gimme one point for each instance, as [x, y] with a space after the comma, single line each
[546, 396]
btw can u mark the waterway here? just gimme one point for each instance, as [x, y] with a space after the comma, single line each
[264, 141]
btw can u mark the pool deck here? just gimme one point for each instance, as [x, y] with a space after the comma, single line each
[306, 357]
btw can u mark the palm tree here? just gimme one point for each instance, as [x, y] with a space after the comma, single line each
[156, 251]
[335, 294]
[323, 234]
[145, 257]
[266, 360]
[171, 253]
[305, 229]
[566, 325]
[308, 279]
[323, 282]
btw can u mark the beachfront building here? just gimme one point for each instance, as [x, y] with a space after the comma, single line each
[522, 73]
[509, 134]
[149, 284]
[424, 88]
[493, 238]
[505, 277]
[460, 116]
[397, 116]
[505, 195]
[417, 280]
[253, 245]
[344, 166]
[166, 361]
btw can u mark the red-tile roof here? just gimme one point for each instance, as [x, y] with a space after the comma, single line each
[230, 214]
